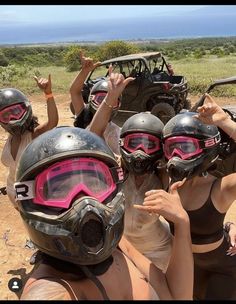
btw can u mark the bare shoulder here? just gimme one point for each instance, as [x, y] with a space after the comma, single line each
[45, 290]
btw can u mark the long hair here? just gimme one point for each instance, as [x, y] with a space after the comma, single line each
[33, 124]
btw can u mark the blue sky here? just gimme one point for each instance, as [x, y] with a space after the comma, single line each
[36, 14]
[59, 23]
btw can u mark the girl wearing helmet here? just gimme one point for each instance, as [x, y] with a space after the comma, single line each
[17, 119]
[191, 145]
[141, 152]
[69, 190]
[85, 112]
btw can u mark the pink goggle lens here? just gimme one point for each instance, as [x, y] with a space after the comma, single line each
[60, 183]
[182, 146]
[141, 141]
[13, 112]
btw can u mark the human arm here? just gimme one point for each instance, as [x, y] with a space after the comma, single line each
[87, 65]
[224, 191]
[116, 85]
[211, 113]
[46, 86]
[179, 274]
[151, 272]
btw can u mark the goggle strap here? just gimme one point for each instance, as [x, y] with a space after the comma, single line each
[24, 190]
[207, 143]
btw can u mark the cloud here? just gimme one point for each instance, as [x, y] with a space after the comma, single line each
[10, 17]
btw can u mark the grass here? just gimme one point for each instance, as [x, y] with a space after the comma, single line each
[200, 73]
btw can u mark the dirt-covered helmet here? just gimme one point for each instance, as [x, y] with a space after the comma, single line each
[15, 111]
[68, 187]
[140, 142]
[190, 146]
[97, 93]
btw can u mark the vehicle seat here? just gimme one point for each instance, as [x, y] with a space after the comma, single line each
[123, 73]
[155, 71]
[133, 73]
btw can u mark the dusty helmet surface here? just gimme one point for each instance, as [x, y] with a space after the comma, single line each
[140, 161]
[184, 128]
[10, 97]
[85, 231]
[98, 93]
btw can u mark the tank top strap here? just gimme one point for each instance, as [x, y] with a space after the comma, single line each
[209, 196]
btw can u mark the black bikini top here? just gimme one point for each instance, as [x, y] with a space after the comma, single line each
[206, 223]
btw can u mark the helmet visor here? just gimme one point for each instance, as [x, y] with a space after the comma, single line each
[13, 112]
[182, 146]
[60, 183]
[141, 141]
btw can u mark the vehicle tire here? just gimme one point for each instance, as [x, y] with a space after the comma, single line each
[164, 111]
[187, 104]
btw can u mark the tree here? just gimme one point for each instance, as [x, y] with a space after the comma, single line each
[116, 48]
[72, 58]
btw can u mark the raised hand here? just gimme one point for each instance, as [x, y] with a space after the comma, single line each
[117, 83]
[166, 204]
[87, 63]
[210, 112]
[44, 84]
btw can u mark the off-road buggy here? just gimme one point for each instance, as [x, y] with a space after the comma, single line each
[154, 88]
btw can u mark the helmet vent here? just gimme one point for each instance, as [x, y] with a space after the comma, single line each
[92, 233]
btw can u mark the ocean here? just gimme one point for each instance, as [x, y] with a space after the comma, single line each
[122, 29]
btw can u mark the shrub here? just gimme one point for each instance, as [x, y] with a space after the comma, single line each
[3, 60]
[116, 48]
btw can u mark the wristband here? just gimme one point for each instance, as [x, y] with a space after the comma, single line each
[110, 106]
[50, 95]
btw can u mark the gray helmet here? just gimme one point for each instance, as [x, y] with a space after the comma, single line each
[185, 124]
[9, 97]
[139, 162]
[87, 231]
[95, 100]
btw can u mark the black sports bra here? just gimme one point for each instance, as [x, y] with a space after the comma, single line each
[206, 223]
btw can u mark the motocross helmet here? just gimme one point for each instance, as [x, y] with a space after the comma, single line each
[140, 142]
[190, 146]
[68, 187]
[15, 111]
[97, 94]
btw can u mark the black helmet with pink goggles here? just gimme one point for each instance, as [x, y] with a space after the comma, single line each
[97, 93]
[15, 111]
[140, 142]
[69, 193]
[190, 146]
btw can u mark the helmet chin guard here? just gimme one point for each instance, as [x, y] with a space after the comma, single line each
[140, 142]
[86, 230]
[187, 134]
